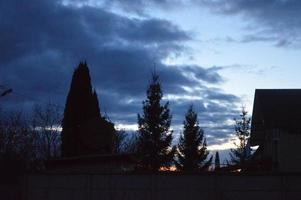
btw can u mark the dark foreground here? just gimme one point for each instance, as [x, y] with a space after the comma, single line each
[56, 186]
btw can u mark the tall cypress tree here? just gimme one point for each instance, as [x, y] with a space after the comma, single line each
[81, 105]
[192, 148]
[154, 142]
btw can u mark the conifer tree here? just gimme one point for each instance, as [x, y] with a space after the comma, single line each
[242, 152]
[154, 142]
[192, 150]
[217, 163]
[81, 105]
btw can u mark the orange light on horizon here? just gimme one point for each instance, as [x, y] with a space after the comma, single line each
[171, 168]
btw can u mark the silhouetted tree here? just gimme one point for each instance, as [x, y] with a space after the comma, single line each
[131, 144]
[45, 125]
[119, 141]
[83, 127]
[217, 163]
[155, 137]
[242, 152]
[17, 142]
[126, 142]
[192, 148]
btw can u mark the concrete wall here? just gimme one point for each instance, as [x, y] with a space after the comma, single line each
[161, 186]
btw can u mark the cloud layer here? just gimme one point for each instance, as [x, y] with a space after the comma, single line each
[276, 21]
[273, 21]
[43, 41]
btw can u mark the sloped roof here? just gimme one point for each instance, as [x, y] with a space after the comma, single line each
[276, 108]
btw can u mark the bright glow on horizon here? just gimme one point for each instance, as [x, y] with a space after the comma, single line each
[126, 127]
[223, 146]
[180, 97]
[215, 147]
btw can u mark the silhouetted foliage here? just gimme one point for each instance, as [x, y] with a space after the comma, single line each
[45, 125]
[155, 137]
[242, 152]
[192, 148]
[126, 142]
[17, 143]
[131, 143]
[217, 162]
[119, 141]
[29, 140]
[84, 130]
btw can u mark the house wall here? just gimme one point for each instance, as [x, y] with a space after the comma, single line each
[284, 149]
[268, 145]
[290, 152]
[161, 186]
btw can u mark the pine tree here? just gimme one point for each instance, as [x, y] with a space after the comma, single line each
[192, 150]
[81, 106]
[242, 152]
[217, 163]
[154, 142]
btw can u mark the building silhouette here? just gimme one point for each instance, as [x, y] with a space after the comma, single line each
[276, 129]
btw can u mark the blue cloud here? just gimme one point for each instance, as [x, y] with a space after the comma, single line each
[43, 41]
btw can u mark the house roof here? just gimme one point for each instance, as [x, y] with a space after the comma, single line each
[275, 108]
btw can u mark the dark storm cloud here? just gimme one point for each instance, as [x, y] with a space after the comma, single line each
[277, 21]
[136, 6]
[29, 27]
[274, 21]
[43, 41]
[214, 94]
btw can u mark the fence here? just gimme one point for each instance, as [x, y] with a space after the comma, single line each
[162, 186]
